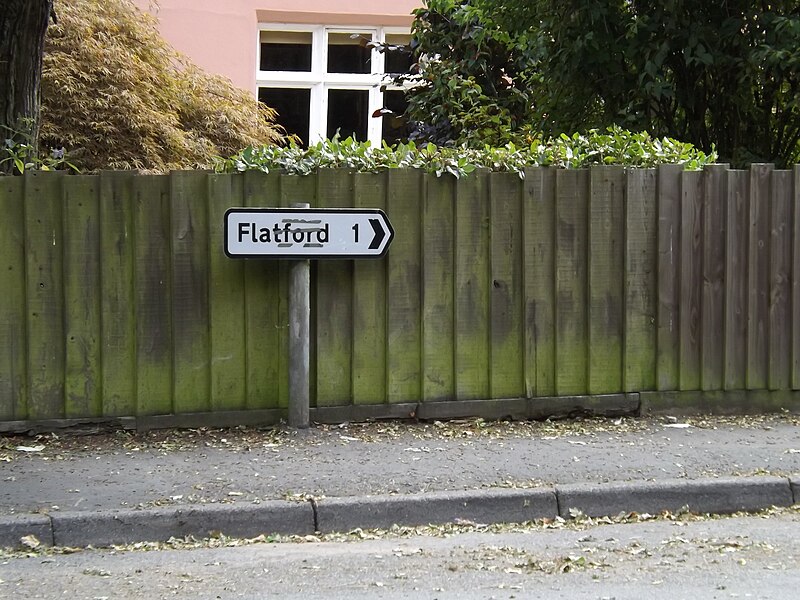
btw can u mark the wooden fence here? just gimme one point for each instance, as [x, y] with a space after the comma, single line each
[116, 298]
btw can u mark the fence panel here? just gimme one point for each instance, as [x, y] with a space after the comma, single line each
[758, 278]
[572, 203]
[605, 279]
[118, 299]
[404, 305]
[715, 201]
[736, 280]
[691, 279]
[44, 252]
[641, 258]
[506, 377]
[153, 295]
[369, 304]
[226, 303]
[81, 264]
[780, 289]
[438, 301]
[117, 308]
[13, 333]
[539, 222]
[334, 303]
[472, 287]
[669, 264]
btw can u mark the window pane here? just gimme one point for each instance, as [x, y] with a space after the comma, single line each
[347, 113]
[285, 51]
[398, 59]
[293, 106]
[395, 127]
[348, 53]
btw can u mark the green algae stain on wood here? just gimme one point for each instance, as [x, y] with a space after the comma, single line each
[438, 368]
[13, 349]
[369, 304]
[404, 306]
[605, 279]
[152, 295]
[572, 203]
[228, 389]
[472, 283]
[44, 251]
[117, 314]
[507, 349]
[81, 260]
[334, 303]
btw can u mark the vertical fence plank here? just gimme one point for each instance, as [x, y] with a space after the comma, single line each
[780, 293]
[713, 301]
[153, 295]
[82, 382]
[404, 205]
[369, 304]
[736, 291]
[572, 202]
[507, 378]
[758, 278]
[606, 262]
[691, 279]
[472, 273]
[539, 260]
[438, 328]
[227, 329]
[13, 348]
[669, 261]
[189, 222]
[44, 250]
[117, 317]
[334, 314]
[796, 281]
[641, 256]
[266, 313]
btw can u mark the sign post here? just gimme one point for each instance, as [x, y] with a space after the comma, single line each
[299, 342]
[301, 234]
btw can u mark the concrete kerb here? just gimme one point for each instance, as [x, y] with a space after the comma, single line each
[15, 527]
[722, 495]
[495, 505]
[477, 506]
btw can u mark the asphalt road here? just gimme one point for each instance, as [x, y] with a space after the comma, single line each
[732, 557]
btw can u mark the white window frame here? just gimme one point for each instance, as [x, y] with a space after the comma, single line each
[319, 81]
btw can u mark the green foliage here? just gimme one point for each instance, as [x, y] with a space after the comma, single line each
[613, 146]
[19, 151]
[472, 79]
[716, 74]
[723, 73]
[119, 97]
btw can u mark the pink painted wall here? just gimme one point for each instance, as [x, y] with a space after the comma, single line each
[221, 35]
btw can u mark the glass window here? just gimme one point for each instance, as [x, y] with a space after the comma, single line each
[285, 51]
[348, 53]
[394, 128]
[293, 106]
[398, 56]
[348, 113]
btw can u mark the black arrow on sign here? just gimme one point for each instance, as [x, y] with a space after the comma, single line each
[380, 233]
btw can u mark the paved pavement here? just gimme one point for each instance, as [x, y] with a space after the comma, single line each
[123, 487]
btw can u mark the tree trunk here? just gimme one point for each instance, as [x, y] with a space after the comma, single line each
[23, 25]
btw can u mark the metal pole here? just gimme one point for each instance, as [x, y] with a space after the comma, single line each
[299, 342]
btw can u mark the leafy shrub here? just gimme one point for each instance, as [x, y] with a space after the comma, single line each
[117, 96]
[614, 146]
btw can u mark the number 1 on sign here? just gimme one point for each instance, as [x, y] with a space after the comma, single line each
[355, 229]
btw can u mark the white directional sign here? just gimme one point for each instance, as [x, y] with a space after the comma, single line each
[306, 233]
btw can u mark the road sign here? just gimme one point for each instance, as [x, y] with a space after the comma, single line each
[302, 233]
